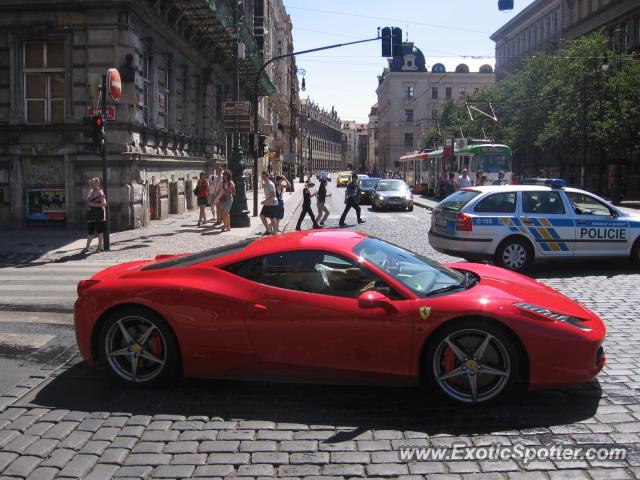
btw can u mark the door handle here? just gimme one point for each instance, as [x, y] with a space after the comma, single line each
[581, 222]
[257, 308]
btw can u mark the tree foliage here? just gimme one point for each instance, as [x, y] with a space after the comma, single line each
[555, 99]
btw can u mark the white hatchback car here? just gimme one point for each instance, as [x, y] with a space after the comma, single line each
[515, 224]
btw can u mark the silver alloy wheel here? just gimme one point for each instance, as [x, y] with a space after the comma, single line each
[471, 366]
[514, 256]
[129, 348]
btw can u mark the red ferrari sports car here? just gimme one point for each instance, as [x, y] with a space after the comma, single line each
[335, 305]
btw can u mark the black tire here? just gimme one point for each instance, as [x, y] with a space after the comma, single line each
[410, 208]
[500, 354]
[635, 254]
[374, 207]
[157, 356]
[515, 254]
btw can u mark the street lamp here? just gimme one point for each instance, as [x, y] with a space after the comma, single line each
[239, 214]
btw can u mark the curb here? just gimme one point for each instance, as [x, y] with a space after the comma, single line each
[35, 308]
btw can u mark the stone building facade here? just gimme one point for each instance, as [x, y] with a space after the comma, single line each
[174, 60]
[355, 147]
[320, 139]
[410, 97]
[545, 23]
[372, 141]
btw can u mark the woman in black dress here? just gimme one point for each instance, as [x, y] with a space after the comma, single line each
[306, 207]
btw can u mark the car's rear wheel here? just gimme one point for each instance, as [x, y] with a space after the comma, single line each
[139, 348]
[410, 208]
[514, 254]
[471, 361]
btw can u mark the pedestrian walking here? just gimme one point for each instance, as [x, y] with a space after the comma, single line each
[269, 205]
[226, 199]
[323, 211]
[282, 184]
[96, 204]
[351, 200]
[215, 190]
[306, 207]
[479, 174]
[202, 193]
[463, 180]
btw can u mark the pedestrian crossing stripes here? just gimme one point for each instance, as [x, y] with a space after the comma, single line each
[50, 286]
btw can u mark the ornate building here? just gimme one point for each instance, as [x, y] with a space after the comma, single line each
[320, 139]
[410, 97]
[175, 59]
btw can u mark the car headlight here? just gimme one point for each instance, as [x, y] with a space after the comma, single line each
[407, 197]
[380, 197]
[560, 317]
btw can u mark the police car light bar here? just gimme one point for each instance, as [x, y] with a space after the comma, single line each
[549, 182]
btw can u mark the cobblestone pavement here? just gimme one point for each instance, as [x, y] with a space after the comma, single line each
[78, 424]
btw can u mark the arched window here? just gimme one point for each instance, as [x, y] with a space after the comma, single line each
[486, 68]
[438, 68]
[462, 68]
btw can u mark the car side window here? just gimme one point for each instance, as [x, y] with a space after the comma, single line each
[504, 202]
[313, 272]
[542, 203]
[587, 205]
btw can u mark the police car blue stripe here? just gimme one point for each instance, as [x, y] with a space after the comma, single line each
[535, 233]
[561, 222]
[553, 233]
[516, 221]
[545, 247]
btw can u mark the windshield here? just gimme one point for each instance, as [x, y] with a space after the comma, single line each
[422, 276]
[458, 199]
[369, 182]
[495, 163]
[199, 257]
[387, 185]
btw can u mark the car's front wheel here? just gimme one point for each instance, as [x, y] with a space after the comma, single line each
[138, 347]
[515, 254]
[471, 361]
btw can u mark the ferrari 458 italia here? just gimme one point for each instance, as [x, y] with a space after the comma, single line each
[335, 305]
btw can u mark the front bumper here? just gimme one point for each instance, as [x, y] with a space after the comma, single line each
[389, 203]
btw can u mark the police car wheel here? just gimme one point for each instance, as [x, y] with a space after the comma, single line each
[514, 254]
[471, 361]
[635, 254]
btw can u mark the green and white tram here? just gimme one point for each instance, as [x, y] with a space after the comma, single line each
[488, 158]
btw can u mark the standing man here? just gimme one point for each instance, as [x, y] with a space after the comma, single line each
[463, 180]
[351, 199]
[215, 190]
[500, 180]
[269, 205]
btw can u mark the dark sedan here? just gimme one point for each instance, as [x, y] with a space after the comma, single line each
[367, 186]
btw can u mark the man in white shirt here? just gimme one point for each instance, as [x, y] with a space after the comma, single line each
[215, 190]
[463, 180]
[269, 205]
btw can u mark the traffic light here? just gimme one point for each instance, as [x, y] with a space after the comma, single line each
[396, 42]
[386, 42]
[262, 143]
[98, 132]
[505, 4]
[391, 42]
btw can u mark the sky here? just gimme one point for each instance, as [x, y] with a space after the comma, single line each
[447, 31]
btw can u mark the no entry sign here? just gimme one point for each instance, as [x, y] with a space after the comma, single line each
[115, 83]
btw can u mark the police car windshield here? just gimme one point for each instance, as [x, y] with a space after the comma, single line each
[458, 199]
[422, 276]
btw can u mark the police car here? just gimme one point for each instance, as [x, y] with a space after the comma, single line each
[539, 220]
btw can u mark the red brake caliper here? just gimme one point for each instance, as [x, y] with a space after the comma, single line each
[449, 363]
[156, 345]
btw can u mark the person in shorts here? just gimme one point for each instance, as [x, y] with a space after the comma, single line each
[96, 204]
[269, 205]
[202, 193]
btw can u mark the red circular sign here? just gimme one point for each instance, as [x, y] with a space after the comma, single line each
[115, 83]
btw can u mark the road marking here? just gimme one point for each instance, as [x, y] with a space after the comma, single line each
[29, 340]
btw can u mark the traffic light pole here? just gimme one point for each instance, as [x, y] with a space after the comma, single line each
[256, 99]
[103, 106]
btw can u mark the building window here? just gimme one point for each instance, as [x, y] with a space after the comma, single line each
[447, 92]
[434, 114]
[409, 92]
[408, 115]
[572, 11]
[636, 29]
[146, 88]
[408, 141]
[43, 76]
[580, 9]
[476, 90]
[434, 93]
[164, 92]
[462, 93]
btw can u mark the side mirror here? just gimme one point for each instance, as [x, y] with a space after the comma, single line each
[374, 299]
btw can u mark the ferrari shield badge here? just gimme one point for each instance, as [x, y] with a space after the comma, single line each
[425, 312]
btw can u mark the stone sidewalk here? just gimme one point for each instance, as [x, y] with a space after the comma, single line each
[176, 234]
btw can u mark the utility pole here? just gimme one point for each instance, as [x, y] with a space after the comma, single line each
[239, 213]
[105, 184]
[583, 160]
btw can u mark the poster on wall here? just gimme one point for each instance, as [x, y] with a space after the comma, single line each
[46, 204]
